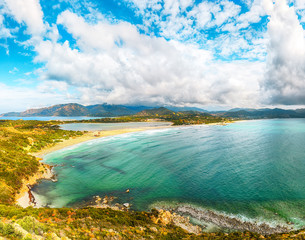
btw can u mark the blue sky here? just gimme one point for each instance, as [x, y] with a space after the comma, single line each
[209, 54]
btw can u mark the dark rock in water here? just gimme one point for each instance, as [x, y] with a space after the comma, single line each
[32, 200]
[224, 221]
[53, 178]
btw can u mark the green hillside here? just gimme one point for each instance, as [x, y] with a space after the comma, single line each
[162, 111]
[17, 140]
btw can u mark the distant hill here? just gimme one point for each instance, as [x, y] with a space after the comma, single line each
[195, 113]
[156, 112]
[185, 109]
[66, 110]
[10, 114]
[108, 110]
[74, 110]
[241, 109]
[98, 110]
[263, 113]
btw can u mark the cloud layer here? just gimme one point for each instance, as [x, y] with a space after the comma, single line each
[28, 12]
[115, 63]
[285, 76]
[181, 52]
[22, 97]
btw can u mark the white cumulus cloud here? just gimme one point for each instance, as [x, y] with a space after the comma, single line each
[285, 77]
[170, 58]
[28, 12]
[114, 63]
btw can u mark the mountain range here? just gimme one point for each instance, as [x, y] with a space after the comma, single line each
[98, 110]
[107, 110]
[263, 113]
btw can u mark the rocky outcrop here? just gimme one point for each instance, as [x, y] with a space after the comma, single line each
[166, 217]
[26, 197]
[228, 222]
[107, 202]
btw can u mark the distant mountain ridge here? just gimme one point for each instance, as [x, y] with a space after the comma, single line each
[156, 112]
[72, 109]
[75, 110]
[97, 110]
[263, 113]
[108, 110]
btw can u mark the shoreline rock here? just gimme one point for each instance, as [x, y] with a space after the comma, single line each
[32, 200]
[107, 202]
[227, 222]
[26, 198]
[166, 217]
[162, 216]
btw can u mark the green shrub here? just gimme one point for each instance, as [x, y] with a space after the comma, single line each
[8, 230]
[31, 225]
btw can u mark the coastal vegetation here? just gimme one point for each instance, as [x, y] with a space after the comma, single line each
[85, 223]
[104, 223]
[17, 140]
[163, 114]
[181, 118]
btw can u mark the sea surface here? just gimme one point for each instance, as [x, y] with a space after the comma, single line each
[110, 126]
[253, 171]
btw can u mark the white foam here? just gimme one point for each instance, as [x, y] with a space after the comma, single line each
[242, 218]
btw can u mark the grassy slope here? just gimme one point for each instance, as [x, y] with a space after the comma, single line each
[94, 223]
[17, 140]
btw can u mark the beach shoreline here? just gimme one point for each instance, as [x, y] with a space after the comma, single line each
[23, 198]
[91, 135]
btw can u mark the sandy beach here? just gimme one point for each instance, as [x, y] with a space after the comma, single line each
[44, 172]
[90, 136]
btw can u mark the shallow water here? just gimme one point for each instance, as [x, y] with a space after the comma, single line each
[252, 170]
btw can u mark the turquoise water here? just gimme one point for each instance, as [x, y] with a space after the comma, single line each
[253, 170]
[110, 126]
